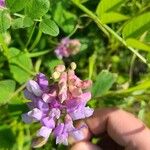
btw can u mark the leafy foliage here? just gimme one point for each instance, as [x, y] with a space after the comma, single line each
[137, 26]
[49, 27]
[106, 11]
[103, 83]
[20, 65]
[4, 21]
[22, 22]
[65, 19]
[16, 5]
[7, 87]
[37, 8]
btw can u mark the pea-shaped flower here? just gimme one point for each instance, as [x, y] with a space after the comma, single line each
[56, 104]
[67, 47]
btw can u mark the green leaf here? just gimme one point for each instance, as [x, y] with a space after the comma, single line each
[147, 37]
[22, 22]
[103, 83]
[138, 44]
[113, 17]
[65, 19]
[7, 87]
[105, 6]
[77, 1]
[27, 22]
[17, 23]
[137, 26]
[4, 20]
[48, 26]
[16, 5]
[106, 11]
[20, 65]
[143, 85]
[37, 8]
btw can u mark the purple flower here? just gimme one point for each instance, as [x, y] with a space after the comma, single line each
[57, 104]
[2, 3]
[42, 81]
[67, 47]
[64, 130]
[78, 109]
[44, 132]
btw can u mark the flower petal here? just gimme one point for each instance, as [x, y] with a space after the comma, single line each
[47, 98]
[63, 87]
[44, 132]
[86, 84]
[26, 118]
[2, 3]
[44, 107]
[28, 95]
[85, 97]
[42, 81]
[48, 122]
[77, 135]
[35, 113]
[33, 87]
[88, 111]
[77, 114]
[62, 139]
[55, 112]
[59, 129]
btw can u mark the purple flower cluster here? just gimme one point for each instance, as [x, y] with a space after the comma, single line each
[2, 3]
[67, 47]
[58, 103]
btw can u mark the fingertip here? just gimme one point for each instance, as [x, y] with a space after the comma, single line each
[85, 146]
[97, 123]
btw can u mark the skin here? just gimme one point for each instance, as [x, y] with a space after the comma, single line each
[119, 130]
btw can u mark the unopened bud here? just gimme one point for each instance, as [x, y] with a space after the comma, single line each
[56, 75]
[60, 68]
[73, 65]
[38, 142]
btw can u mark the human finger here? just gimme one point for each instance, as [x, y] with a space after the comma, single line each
[124, 128]
[85, 146]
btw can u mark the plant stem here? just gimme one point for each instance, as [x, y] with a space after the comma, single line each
[106, 29]
[17, 91]
[38, 64]
[38, 37]
[131, 68]
[92, 16]
[74, 31]
[18, 15]
[31, 34]
[124, 43]
[37, 54]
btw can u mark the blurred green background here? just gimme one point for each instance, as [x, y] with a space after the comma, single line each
[115, 55]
